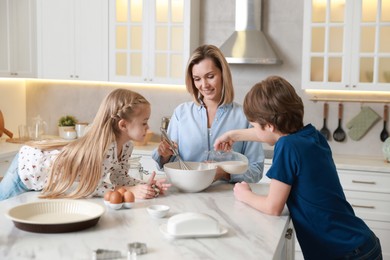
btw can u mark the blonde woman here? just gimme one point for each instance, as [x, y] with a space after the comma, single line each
[195, 125]
[91, 165]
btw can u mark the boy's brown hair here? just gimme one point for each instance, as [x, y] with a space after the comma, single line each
[274, 101]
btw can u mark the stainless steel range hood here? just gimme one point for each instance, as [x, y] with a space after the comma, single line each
[248, 44]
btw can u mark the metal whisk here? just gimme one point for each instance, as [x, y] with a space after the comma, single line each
[182, 163]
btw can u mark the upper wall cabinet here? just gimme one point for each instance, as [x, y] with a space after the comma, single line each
[17, 38]
[151, 40]
[346, 45]
[73, 39]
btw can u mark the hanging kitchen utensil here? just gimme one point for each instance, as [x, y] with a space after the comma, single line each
[384, 134]
[339, 134]
[324, 130]
[2, 127]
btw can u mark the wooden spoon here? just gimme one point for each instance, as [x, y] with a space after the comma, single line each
[2, 128]
[339, 134]
[324, 130]
[384, 134]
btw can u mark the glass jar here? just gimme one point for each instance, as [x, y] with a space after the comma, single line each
[136, 170]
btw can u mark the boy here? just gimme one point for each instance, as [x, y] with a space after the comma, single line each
[303, 176]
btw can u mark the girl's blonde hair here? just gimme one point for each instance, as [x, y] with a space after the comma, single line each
[214, 53]
[82, 159]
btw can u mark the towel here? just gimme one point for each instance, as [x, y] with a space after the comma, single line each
[361, 123]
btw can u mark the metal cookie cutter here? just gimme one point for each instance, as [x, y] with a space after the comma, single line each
[136, 248]
[103, 254]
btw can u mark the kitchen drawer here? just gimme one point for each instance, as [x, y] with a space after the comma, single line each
[382, 231]
[365, 181]
[370, 206]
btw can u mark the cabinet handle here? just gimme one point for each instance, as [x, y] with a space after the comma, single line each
[289, 233]
[362, 206]
[364, 182]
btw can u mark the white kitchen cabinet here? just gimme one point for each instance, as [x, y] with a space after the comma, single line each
[366, 184]
[73, 39]
[18, 38]
[151, 40]
[369, 194]
[5, 162]
[7, 154]
[346, 45]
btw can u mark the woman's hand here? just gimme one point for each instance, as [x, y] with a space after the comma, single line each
[165, 151]
[221, 175]
[241, 190]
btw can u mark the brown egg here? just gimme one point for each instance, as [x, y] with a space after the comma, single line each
[122, 190]
[128, 196]
[107, 195]
[116, 197]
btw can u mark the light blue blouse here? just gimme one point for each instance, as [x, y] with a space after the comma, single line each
[188, 128]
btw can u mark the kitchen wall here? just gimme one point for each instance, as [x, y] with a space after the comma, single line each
[282, 23]
[13, 104]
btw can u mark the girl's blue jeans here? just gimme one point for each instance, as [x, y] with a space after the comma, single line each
[11, 185]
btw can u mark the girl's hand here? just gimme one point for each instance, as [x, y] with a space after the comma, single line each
[162, 186]
[241, 189]
[143, 191]
[148, 190]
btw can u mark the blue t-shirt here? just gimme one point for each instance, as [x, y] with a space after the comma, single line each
[325, 223]
[188, 128]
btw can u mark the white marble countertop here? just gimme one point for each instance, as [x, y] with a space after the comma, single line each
[251, 234]
[7, 149]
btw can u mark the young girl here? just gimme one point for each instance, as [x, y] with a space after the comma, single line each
[302, 174]
[91, 165]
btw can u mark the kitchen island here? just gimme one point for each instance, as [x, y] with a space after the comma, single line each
[251, 234]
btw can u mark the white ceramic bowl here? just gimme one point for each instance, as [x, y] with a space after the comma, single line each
[116, 206]
[158, 211]
[197, 179]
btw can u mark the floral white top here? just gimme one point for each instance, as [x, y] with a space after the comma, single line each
[34, 168]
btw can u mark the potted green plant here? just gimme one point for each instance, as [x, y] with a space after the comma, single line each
[66, 126]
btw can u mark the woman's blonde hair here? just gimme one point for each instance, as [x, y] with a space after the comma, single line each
[214, 53]
[81, 161]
